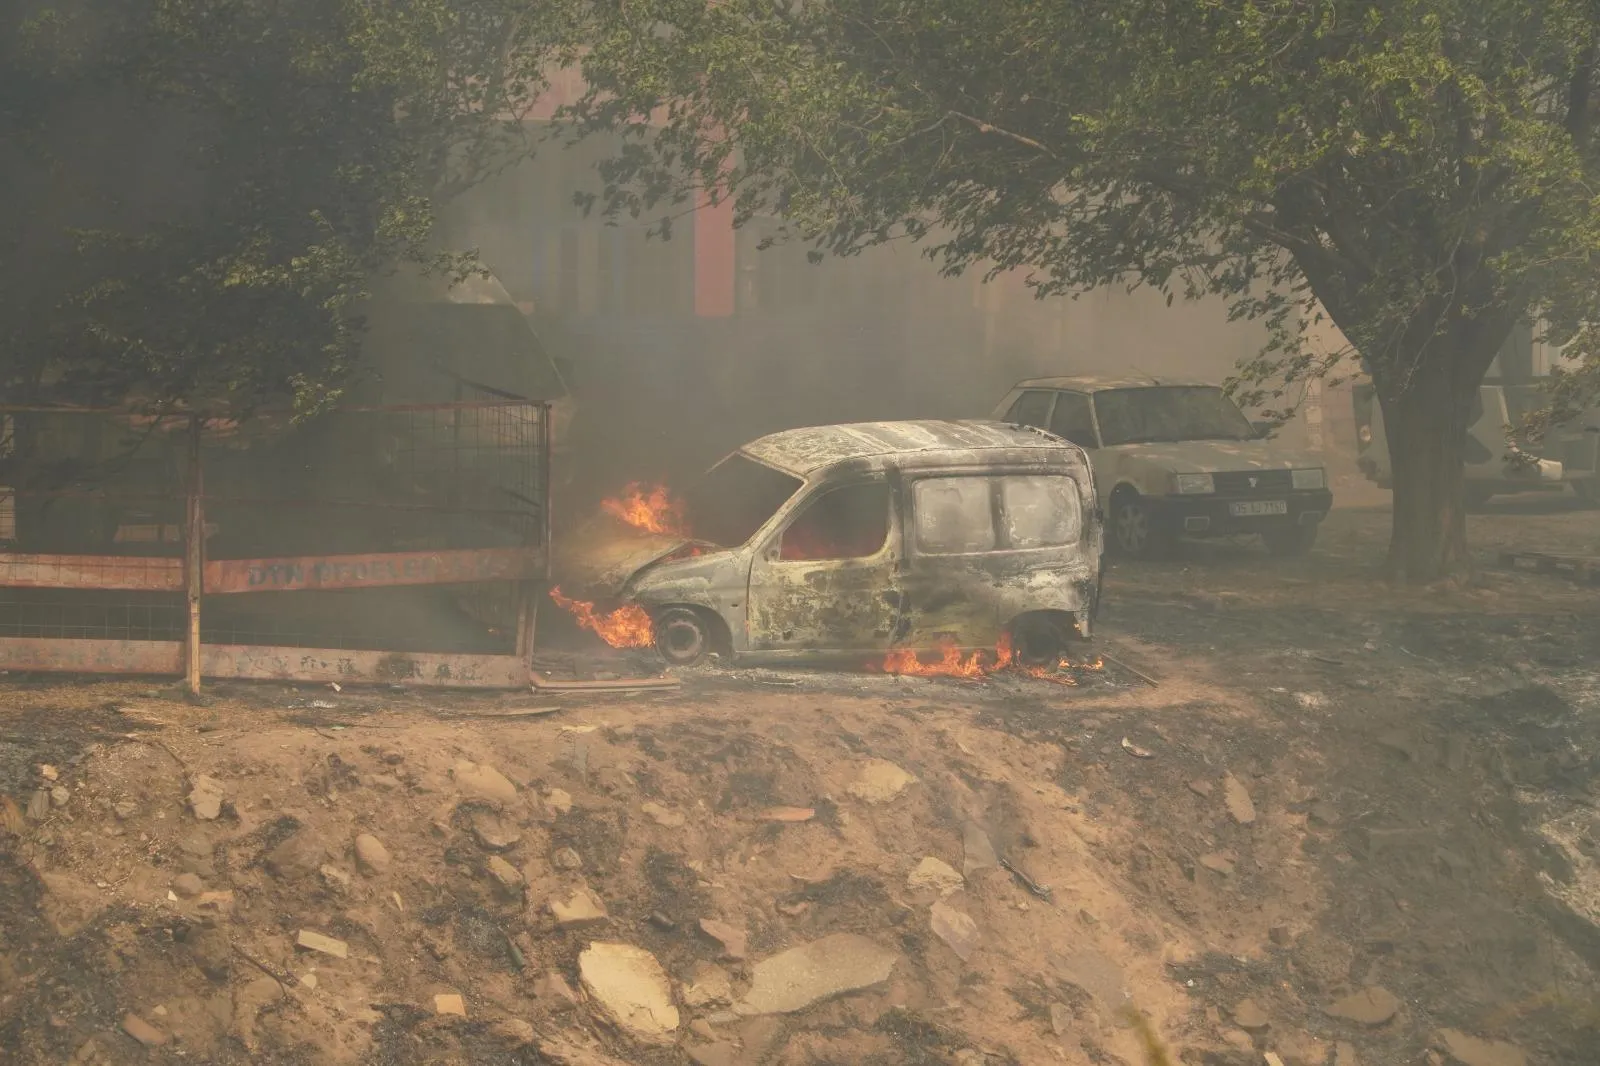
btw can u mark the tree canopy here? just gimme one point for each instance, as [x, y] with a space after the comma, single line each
[1422, 171]
[201, 190]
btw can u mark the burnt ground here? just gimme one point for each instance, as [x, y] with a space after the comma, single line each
[1420, 766]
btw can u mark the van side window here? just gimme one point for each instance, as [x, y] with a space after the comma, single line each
[1040, 512]
[954, 515]
[1073, 419]
[851, 522]
[1032, 409]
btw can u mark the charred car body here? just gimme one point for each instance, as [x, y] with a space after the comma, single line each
[836, 541]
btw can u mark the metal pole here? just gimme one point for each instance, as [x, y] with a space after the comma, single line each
[194, 558]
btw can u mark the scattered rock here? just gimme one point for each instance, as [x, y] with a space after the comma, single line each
[720, 1053]
[484, 782]
[143, 1031]
[506, 876]
[334, 877]
[566, 859]
[1201, 787]
[1218, 863]
[558, 801]
[1370, 1006]
[48, 772]
[1249, 1016]
[880, 781]
[513, 1032]
[1280, 936]
[791, 815]
[39, 806]
[1061, 1019]
[1471, 1051]
[125, 810]
[582, 907]
[702, 1028]
[978, 851]
[450, 1004]
[296, 858]
[631, 988]
[933, 875]
[664, 816]
[327, 945]
[552, 989]
[1237, 797]
[1345, 1055]
[308, 980]
[205, 798]
[1241, 1040]
[60, 796]
[494, 833]
[733, 939]
[814, 972]
[188, 886]
[708, 986]
[372, 858]
[955, 928]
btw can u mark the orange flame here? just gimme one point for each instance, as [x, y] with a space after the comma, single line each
[626, 627]
[650, 508]
[951, 663]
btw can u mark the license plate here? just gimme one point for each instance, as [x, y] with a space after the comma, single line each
[1256, 508]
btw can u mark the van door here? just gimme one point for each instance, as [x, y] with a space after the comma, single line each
[827, 580]
[948, 589]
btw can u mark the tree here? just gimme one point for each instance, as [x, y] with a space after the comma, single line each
[1419, 170]
[201, 190]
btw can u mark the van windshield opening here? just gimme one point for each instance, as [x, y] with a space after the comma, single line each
[734, 499]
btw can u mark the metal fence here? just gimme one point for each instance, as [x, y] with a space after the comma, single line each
[413, 538]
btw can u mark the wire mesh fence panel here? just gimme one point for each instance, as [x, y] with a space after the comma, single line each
[400, 529]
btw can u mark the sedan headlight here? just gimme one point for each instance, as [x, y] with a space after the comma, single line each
[1194, 484]
[1310, 479]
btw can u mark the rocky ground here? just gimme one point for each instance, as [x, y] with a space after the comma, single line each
[1345, 824]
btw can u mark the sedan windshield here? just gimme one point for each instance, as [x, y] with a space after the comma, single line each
[734, 499]
[1169, 413]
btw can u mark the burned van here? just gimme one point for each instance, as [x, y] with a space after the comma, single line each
[843, 541]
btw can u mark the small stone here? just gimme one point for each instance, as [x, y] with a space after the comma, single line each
[934, 875]
[372, 858]
[296, 858]
[1280, 936]
[1249, 1016]
[327, 945]
[334, 877]
[979, 851]
[1237, 798]
[494, 833]
[484, 782]
[552, 989]
[733, 939]
[143, 1031]
[720, 1053]
[814, 972]
[60, 796]
[1201, 787]
[506, 876]
[1240, 1040]
[567, 859]
[125, 810]
[664, 816]
[630, 987]
[205, 798]
[1471, 1051]
[308, 980]
[558, 801]
[449, 1004]
[1217, 863]
[513, 1032]
[48, 772]
[582, 907]
[702, 1028]
[39, 806]
[188, 885]
[1061, 1019]
[788, 815]
[1370, 1006]
[1345, 1055]
[955, 928]
[709, 986]
[880, 781]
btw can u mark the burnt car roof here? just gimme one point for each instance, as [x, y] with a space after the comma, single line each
[1094, 384]
[803, 452]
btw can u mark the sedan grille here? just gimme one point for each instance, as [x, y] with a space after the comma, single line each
[1238, 483]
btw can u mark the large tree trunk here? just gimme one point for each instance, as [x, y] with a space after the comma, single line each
[1427, 429]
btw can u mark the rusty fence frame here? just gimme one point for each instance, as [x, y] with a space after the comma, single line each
[196, 577]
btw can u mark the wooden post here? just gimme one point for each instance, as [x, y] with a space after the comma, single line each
[194, 542]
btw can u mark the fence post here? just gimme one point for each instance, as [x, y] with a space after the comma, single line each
[194, 541]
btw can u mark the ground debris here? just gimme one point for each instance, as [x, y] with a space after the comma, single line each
[629, 986]
[814, 972]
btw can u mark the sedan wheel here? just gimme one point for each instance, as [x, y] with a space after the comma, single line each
[1133, 531]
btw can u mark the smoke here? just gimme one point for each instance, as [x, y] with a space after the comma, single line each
[662, 393]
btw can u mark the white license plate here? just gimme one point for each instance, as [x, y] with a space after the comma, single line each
[1256, 508]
